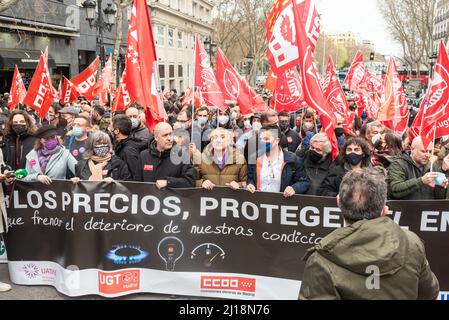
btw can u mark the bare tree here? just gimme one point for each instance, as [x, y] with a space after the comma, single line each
[239, 30]
[121, 6]
[6, 4]
[410, 23]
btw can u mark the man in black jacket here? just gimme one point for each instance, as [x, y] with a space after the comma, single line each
[317, 161]
[161, 163]
[125, 147]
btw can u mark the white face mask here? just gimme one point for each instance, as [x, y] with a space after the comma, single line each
[257, 126]
[247, 124]
[223, 120]
[376, 138]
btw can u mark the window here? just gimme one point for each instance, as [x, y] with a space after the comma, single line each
[171, 38]
[180, 70]
[180, 39]
[194, 9]
[162, 71]
[171, 71]
[160, 36]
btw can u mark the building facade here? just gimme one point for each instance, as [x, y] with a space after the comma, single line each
[347, 39]
[441, 23]
[175, 25]
[32, 25]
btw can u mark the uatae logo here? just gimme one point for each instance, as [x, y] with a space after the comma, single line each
[31, 270]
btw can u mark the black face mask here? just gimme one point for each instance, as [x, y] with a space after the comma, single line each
[339, 132]
[284, 126]
[315, 156]
[19, 129]
[353, 158]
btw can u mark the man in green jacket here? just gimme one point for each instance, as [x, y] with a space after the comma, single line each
[371, 257]
[411, 177]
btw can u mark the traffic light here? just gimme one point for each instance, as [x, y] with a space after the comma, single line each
[371, 56]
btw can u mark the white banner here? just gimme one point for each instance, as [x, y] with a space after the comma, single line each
[75, 283]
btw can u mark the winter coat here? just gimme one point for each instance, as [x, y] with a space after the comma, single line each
[57, 168]
[115, 169]
[143, 134]
[293, 140]
[293, 173]
[330, 186]
[26, 145]
[128, 151]
[405, 183]
[154, 165]
[340, 266]
[317, 172]
[235, 168]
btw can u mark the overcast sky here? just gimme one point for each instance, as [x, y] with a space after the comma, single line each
[359, 16]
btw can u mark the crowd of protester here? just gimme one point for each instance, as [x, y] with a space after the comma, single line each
[208, 148]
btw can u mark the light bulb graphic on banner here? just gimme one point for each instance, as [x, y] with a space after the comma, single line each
[170, 249]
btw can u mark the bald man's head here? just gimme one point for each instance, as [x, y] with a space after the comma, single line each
[419, 154]
[163, 134]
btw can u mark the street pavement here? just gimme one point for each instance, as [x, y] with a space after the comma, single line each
[50, 293]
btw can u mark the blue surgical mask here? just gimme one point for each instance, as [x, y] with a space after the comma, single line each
[267, 147]
[135, 123]
[77, 132]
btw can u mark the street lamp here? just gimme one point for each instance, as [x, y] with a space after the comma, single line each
[432, 61]
[210, 48]
[101, 23]
[249, 63]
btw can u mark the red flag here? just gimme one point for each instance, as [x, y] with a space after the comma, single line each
[140, 59]
[59, 95]
[234, 88]
[313, 93]
[270, 84]
[40, 92]
[438, 96]
[86, 80]
[288, 96]
[18, 91]
[205, 79]
[355, 79]
[105, 83]
[394, 113]
[69, 92]
[122, 99]
[441, 127]
[335, 97]
[192, 97]
[281, 33]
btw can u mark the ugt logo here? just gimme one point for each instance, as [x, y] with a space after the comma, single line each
[119, 281]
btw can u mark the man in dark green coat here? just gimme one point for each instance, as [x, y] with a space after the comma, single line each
[410, 177]
[371, 257]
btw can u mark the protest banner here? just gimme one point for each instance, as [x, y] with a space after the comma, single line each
[124, 238]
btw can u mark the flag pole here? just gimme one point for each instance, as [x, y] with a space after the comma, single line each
[433, 148]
